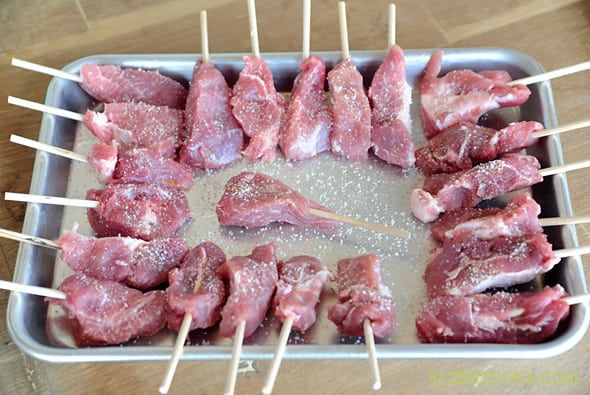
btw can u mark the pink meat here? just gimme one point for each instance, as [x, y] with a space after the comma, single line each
[351, 133]
[301, 280]
[463, 95]
[144, 211]
[466, 265]
[460, 147]
[252, 282]
[106, 312]
[110, 83]
[215, 138]
[252, 200]
[138, 125]
[447, 192]
[362, 295]
[391, 97]
[519, 217]
[258, 108]
[524, 318]
[137, 263]
[196, 288]
[306, 131]
[103, 159]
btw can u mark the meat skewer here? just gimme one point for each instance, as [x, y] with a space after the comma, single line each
[460, 147]
[253, 281]
[391, 96]
[533, 79]
[140, 211]
[134, 166]
[365, 305]
[110, 83]
[131, 125]
[214, 137]
[256, 104]
[136, 263]
[301, 280]
[254, 199]
[447, 192]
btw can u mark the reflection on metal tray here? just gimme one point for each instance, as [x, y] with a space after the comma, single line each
[372, 190]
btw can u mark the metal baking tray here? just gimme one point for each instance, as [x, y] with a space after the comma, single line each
[374, 191]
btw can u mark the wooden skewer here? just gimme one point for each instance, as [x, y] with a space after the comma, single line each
[391, 26]
[59, 201]
[560, 129]
[356, 222]
[557, 221]
[9, 234]
[47, 109]
[577, 251]
[47, 148]
[232, 374]
[552, 74]
[565, 168]
[253, 28]
[371, 349]
[576, 299]
[343, 30]
[276, 362]
[23, 64]
[306, 28]
[204, 38]
[32, 289]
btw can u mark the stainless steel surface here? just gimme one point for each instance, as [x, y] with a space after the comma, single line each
[374, 191]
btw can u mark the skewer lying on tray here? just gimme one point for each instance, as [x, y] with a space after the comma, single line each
[134, 166]
[447, 192]
[110, 83]
[131, 125]
[144, 211]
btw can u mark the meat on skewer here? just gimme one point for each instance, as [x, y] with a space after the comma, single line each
[463, 95]
[391, 97]
[253, 280]
[519, 217]
[259, 108]
[196, 288]
[214, 137]
[362, 295]
[466, 265]
[308, 120]
[136, 263]
[462, 146]
[522, 318]
[144, 211]
[253, 200]
[106, 312]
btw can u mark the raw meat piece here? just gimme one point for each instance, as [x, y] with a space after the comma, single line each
[391, 97]
[252, 282]
[144, 211]
[463, 95]
[362, 295]
[524, 318]
[103, 160]
[301, 280]
[215, 138]
[351, 132]
[466, 265]
[138, 125]
[110, 83]
[520, 216]
[252, 199]
[460, 147]
[447, 192]
[106, 312]
[306, 131]
[259, 108]
[203, 303]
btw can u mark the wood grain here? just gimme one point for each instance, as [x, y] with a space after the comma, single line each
[54, 33]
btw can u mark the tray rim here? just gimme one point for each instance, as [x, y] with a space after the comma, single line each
[579, 320]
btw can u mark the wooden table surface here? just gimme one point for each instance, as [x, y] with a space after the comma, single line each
[556, 32]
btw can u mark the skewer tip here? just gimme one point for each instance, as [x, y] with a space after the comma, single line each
[377, 386]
